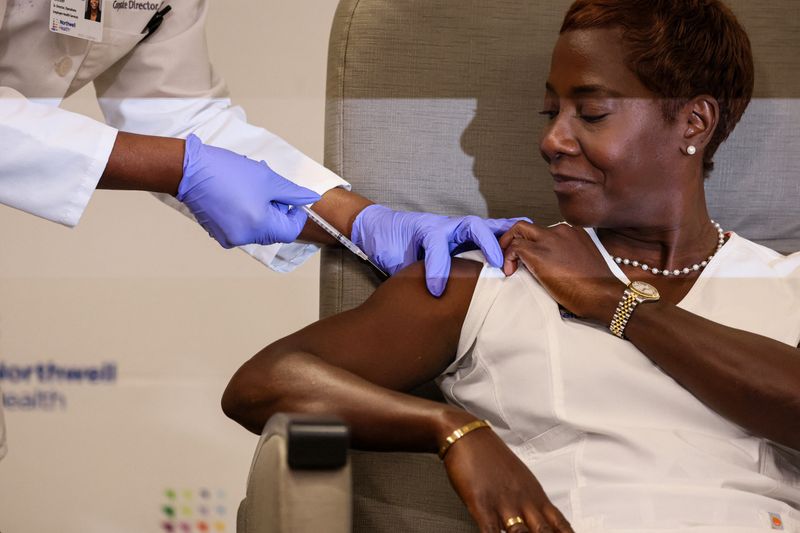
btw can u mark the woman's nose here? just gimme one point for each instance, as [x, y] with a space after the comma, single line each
[558, 139]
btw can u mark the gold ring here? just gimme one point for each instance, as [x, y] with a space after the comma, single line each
[514, 521]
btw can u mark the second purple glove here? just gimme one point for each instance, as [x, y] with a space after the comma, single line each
[395, 239]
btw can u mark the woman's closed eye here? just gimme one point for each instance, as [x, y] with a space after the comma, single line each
[593, 119]
[549, 113]
[592, 111]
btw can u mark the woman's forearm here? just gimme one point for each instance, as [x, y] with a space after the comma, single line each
[485, 473]
[379, 418]
[747, 378]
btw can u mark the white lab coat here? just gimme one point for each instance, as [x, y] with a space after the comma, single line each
[51, 159]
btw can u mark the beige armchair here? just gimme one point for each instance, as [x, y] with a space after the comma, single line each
[432, 105]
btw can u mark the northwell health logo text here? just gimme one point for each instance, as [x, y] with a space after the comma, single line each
[47, 380]
[51, 372]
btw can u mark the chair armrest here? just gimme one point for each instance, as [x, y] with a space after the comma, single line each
[300, 478]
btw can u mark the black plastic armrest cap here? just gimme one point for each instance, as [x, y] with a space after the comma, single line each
[317, 443]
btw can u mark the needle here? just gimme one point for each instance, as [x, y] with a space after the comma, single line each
[344, 241]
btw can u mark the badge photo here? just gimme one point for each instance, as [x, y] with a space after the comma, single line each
[78, 18]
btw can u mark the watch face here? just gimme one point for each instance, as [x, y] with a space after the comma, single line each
[645, 289]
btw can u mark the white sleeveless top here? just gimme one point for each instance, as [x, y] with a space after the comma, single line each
[617, 444]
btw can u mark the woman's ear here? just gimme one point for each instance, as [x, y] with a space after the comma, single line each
[700, 116]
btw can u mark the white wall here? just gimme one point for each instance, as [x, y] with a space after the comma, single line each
[137, 284]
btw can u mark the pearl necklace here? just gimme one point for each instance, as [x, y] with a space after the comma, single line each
[678, 271]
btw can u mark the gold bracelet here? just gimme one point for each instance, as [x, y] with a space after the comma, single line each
[460, 432]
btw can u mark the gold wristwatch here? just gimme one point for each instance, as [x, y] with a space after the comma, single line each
[636, 293]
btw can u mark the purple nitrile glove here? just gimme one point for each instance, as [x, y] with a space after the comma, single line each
[238, 200]
[395, 239]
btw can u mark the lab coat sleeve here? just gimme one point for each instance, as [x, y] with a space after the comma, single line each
[166, 86]
[51, 159]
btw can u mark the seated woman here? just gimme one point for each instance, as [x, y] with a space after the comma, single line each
[686, 415]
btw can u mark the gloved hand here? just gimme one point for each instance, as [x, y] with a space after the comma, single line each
[395, 239]
[239, 200]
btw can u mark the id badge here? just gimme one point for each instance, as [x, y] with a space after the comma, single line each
[78, 18]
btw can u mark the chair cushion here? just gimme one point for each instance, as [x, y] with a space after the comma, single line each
[404, 492]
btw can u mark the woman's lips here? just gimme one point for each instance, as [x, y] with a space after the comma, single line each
[563, 184]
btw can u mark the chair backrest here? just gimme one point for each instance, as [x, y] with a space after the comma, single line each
[432, 105]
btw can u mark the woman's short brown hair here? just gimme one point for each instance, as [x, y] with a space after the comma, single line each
[680, 49]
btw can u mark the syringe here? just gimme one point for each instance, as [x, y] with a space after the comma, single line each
[344, 241]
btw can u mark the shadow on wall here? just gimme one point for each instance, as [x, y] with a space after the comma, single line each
[503, 141]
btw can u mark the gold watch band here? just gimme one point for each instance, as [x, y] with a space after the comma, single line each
[623, 313]
[635, 293]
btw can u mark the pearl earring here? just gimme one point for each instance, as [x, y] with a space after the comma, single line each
[691, 150]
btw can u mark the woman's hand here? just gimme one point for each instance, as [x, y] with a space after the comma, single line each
[567, 264]
[496, 486]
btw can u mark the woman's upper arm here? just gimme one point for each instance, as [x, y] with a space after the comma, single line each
[401, 336]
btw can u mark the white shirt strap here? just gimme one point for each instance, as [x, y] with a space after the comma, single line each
[618, 273]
